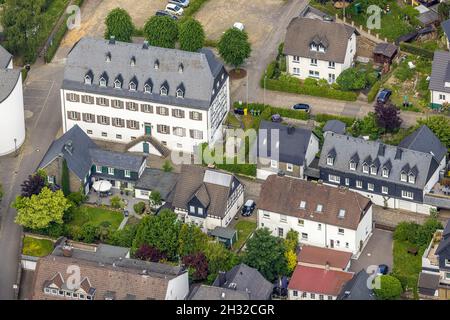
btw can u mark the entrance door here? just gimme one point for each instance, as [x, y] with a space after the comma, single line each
[148, 129]
[146, 147]
[331, 243]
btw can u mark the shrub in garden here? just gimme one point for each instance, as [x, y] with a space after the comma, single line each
[139, 207]
[149, 253]
[116, 202]
[390, 288]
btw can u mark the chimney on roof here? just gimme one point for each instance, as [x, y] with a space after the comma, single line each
[67, 250]
[145, 45]
[112, 40]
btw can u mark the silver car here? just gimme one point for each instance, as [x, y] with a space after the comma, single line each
[181, 3]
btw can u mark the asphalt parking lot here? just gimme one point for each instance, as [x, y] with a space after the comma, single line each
[377, 251]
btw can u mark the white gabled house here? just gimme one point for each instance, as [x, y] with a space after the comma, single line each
[319, 49]
[323, 216]
[440, 79]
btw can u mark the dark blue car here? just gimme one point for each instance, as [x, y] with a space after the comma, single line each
[302, 107]
[384, 95]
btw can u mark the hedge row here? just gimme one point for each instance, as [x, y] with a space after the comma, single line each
[194, 6]
[317, 91]
[408, 47]
[374, 91]
[267, 111]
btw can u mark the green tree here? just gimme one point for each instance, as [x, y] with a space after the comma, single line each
[159, 231]
[65, 179]
[440, 125]
[367, 126]
[167, 167]
[155, 198]
[22, 21]
[119, 24]
[40, 210]
[124, 237]
[191, 240]
[161, 31]
[291, 260]
[267, 254]
[390, 288]
[351, 79]
[219, 259]
[291, 240]
[191, 35]
[234, 47]
[444, 10]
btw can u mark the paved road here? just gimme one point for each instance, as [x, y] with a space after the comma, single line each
[42, 108]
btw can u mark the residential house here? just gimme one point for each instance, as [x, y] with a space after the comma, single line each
[206, 197]
[309, 283]
[88, 163]
[247, 280]
[105, 276]
[445, 25]
[440, 79]
[434, 280]
[358, 288]
[156, 180]
[323, 216]
[391, 176]
[319, 49]
[146, 97]
[335, 126]
[205, 292]
[325, 258]
[285, 149]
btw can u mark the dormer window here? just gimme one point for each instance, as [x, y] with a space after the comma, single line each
[133, 61]
[330, 161]
[411, 178]
[117, 84]
[180, 93]
[132, 86]
[385, 172]
[163, 91]
[352, 165]
[156, 65]
[313, 47]
[403, 177]
[102, 82]
[365, 168]
[321, 48]
[87, 80]
[373, 170]
[147, 88]
[108, 57]
[180, 68]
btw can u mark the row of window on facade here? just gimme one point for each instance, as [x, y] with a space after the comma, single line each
[68, 294]
[373, 170]
[301, 222]
[133, 106]
[306, 295]
[313, 62]
[289, 166]
[111, 171]
[370, 186]
[315, 74]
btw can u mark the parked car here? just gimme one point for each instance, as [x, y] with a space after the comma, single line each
[166, 14]
[384, 95]
[248, 208]
[174, 9]
[126, 213]
[239, 26]
[301, 106]
[181, 3]
[383, 269]
[276, 118]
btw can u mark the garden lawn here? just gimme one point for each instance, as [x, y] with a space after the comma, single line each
[244, 229]
[36, 247]
[407, 265]
[95, 216]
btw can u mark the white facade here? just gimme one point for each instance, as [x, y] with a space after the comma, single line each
[178, 133]
[301, 295]
[178, 288]
[12, 120]
[318, 233]
[303, 67]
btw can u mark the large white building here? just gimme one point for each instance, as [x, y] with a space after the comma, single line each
[322, 215]
[12, 118]
[144, 96]
[319, 49]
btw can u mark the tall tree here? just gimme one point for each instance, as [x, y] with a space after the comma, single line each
[40, 210]
[198, 265]
[119, 24]
[22, 21]
[267, 254]
[352, 79]
[161, 31]
[234, 47]
[149, 253]
[191, 240]
[159, 231]
[219, 259]
[33, 185]
[155, 199]
[388, 116]
[191, 35]
[65, 179]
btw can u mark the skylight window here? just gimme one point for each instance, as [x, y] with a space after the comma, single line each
[319, 208]
[341, 213]
[302, 204]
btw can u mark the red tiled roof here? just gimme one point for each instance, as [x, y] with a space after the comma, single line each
[322, 256]
[317, 280]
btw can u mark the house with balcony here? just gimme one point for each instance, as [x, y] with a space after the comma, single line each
[206, 197]
[285, 149]
[323, 216]
[148, 98]
[398, 177]
[434, 280]
[319, 49]
[87, 163]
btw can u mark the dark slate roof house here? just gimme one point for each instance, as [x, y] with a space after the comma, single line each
[445, 25]
[424, 140]
[356, 288]
[5, 58]
[156, 179]
[205, 292]
[440, 72]
[335, 126]
[301, 31]
[247, 280]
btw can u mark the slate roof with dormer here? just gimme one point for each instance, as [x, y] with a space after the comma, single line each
[440, 72]
[397, 159]
[301, 32]
[424, 140]
[196, 73]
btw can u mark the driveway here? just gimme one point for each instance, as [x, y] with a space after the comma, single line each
[377, 251]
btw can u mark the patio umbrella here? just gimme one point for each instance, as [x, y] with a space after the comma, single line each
[102, 186]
